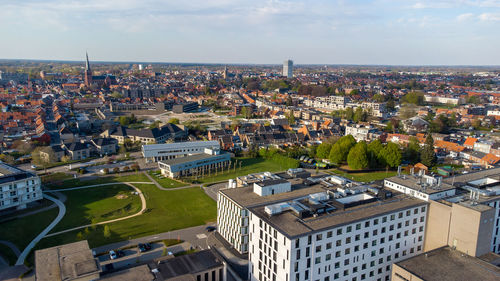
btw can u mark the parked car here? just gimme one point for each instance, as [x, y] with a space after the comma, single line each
[144, 247]
[210, 228]
[114, 254]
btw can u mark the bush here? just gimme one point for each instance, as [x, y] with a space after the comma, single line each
[116, 170]
[135, 167]
[126, 168]
[105, 171]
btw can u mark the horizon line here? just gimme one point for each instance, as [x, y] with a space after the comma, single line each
[253, 64]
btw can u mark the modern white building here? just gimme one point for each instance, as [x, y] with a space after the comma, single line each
[327, 236]
[318, 229]
[18, 187]
[288, 69]
[166, 151]
[361, 133]
[211, 161]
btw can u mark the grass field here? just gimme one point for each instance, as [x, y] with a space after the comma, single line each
[21, 231]
[8, 254]
[92, 205]
[364, 177]
[248, 166]
[67, 183]
[167, 210]
[165, 182]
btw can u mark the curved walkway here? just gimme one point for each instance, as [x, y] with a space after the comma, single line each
[167, 189]
[141, 195]
[31, 245]
[12, 246]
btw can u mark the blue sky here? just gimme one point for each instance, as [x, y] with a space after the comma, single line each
[439, 32]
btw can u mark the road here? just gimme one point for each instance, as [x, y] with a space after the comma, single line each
[196, 236]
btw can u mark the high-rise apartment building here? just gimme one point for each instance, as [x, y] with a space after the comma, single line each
[288, 68]
[320, 228]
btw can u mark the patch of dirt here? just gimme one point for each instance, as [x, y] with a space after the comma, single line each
[121, 196]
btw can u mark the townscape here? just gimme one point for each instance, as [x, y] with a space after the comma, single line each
[264, 140]
[243, 167]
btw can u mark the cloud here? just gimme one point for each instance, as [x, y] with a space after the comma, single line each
[465, 17]
[489, 17]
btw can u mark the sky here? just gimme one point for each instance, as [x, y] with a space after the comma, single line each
[390, 32]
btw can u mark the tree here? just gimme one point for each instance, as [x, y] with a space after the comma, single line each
[335, 155]
[412, 151]
[392, 155]
[116, 95]
[375, 154]
[323, 150]
[358, 156]
[428, 156]
[105, 171]
[174, 121]
[416, 98]
[116, 170]
[65, 158]
[341, 149]
[349, 113]
[291, 118]
[106, 232]
[359, 115]
[407, 111]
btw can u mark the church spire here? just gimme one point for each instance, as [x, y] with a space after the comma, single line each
[87, 64]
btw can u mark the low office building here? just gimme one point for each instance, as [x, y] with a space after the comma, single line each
[198, 164]
[18, 187]
[444, 264]
[203, 265]
[76, 262]
[185, 107]
[166, 151]
[69, 262]
[145, 136]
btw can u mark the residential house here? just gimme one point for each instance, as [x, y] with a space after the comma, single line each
[78, 150]
[105, 146]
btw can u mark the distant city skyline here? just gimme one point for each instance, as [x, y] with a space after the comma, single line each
[382, 32]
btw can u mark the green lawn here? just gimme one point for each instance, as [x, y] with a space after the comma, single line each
[22, 230]
[167, 210]
[68, 183]
[165, 182]
[248, 166]
[92, 205]
[364, 177]
[8, 254]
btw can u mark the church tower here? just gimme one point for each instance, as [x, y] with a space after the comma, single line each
[88, 72]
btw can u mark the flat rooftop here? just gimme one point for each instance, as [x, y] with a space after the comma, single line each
[413, 183]
[447, 264]
[66, 262]
[464, 178]
[187, 265]
[291, 225]
[138, 273]
[245, 197]
[190, 158]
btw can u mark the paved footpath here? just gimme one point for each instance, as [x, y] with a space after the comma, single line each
[31, 245]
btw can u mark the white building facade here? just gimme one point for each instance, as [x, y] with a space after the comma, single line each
[358, 250]
[166, 151]
[18, 188]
